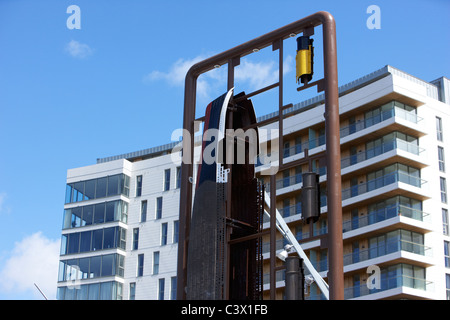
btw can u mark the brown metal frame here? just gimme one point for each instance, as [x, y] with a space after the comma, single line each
[330, 85]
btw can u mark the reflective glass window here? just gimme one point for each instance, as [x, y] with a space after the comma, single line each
[107, 265]
[108, 238]
[74, 241]
[76, 217]
[63, 249]
[69, 189]
[85, 241]
[88, 215]
[101, 188]
[67, 219]
[95, 266]
[97, 239]
[113, 185]
[94, 290]
[99, 213]
[110, 208]
[106, 291]
[83, 264]
[89, 189]
[78, 191]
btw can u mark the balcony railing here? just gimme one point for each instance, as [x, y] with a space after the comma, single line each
[383, 148]
[396, 176]
[384, 214]
[387, 284]
[368, 122]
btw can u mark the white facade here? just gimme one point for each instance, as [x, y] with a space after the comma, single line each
[357, 98]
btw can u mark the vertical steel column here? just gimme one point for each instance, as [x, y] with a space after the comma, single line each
[333, 158]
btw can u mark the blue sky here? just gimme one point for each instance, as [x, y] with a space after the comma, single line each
[68, 96]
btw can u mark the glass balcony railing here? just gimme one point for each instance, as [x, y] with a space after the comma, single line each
[388, 248]
[384, 214]
[396, 176]
[382, 116]
[383, 148]
[387, 284]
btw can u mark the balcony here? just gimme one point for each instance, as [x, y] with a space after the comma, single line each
[377, 183]
[385, 214]
[401, 282]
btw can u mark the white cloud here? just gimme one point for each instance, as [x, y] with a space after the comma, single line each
[33, 260]
[177, 74]
[256, 74]
[78, 50]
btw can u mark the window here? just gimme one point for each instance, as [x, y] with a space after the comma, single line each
[173, 288]
[439, 132]
[166, 179]
[445, 222]
[443, 183]
[447, 285]
[164, 234]
[97, 188]
[140, 267]
[176, 226]
[178, 177]
[156, 262]
[161, 289]
[138, 186]
[159, 204]
[132, 294]
[144, 211]
[135, 238]
[441, 159]
[447, 254]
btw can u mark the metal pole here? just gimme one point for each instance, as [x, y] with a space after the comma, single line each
[333, 158]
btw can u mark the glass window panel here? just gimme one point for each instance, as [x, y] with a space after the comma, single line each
[107, 265]
[84, 268]
[140, 270]
[61, 270]
[95, 266]
[126, 185]
[94, 290]
[69, 189]
[74, 242]
[78, 193]
[164, 234]
[159, 204]
[138, 186]
[108, 238]
[101, 188]
[71, 269]
[85, 242]
[99, 213]
[89, 191]
[63, 249]
[88, 215]
[82, 292]
[97, 239]
[76, 217]
[110, 208]
[106, 291]
[156, 262]
[69, 294]
[113, 185]
[67, 219]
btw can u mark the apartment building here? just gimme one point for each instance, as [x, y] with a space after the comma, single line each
[120, 220]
